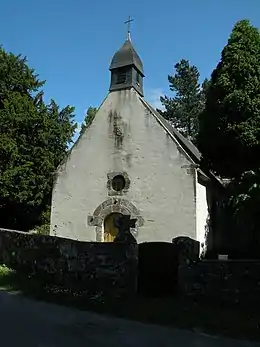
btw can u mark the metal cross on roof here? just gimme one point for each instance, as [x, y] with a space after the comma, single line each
[128, 22]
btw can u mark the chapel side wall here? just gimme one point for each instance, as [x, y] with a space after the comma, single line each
[125, 137]
[202, 214]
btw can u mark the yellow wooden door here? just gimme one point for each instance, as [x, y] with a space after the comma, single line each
[110, 230]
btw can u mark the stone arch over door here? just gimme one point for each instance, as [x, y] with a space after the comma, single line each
[113, 205]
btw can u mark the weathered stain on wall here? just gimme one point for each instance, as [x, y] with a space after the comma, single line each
[115, 120]
[95, 268]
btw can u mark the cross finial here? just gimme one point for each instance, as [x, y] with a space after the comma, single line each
[128, 26]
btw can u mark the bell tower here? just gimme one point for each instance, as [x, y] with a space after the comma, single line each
[126, 67]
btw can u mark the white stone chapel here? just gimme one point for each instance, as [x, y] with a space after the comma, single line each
[130, 160]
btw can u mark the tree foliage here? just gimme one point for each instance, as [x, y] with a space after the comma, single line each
[90, 115]
[242, 210]
[183, 109]
[34, 138]
[229, 136]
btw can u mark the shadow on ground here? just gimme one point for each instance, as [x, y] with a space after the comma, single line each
[172, 311]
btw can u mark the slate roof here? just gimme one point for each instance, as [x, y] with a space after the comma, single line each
[126, 56]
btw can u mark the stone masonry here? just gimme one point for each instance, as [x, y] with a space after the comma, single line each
[108, 269]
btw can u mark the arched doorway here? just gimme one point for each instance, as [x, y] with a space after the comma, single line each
[110, 230]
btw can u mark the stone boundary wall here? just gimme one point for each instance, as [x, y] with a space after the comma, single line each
[89, 267]
[232, 282]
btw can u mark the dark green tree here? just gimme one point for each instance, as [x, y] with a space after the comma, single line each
[204, 89]
[183, 109]
[34, 138]
[90, 115]
[229, 137]
[242, 211]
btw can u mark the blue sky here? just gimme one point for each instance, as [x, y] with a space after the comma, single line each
[70, 43]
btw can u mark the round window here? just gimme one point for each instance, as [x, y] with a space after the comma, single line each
[118, 183]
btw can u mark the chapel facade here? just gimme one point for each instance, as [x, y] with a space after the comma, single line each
[130, 160]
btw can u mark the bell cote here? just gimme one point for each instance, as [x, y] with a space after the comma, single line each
[126, 69]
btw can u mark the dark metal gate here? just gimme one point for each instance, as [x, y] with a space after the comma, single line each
[158, 269]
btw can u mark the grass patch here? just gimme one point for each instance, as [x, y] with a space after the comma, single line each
[6, 275]
[176, 312]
